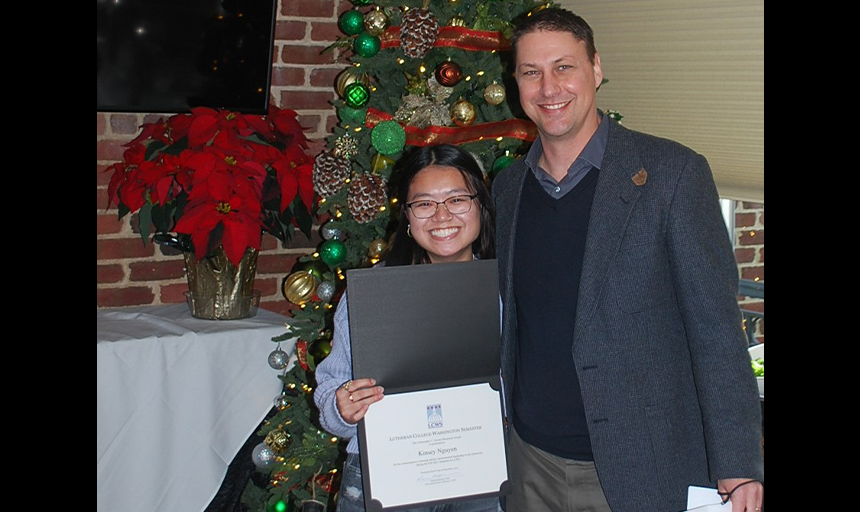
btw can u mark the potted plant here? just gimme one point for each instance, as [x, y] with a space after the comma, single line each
[217, 179]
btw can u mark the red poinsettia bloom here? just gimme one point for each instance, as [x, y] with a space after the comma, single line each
[208, 123]
[287, 124]
[295, 176]
[229, 201]
[195, 172]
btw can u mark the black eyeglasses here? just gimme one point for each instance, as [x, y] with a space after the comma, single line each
[426, 208]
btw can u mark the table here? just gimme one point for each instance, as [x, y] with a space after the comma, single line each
[176, 399]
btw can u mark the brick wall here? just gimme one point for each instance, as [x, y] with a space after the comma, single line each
[749, 252]
[130, 273]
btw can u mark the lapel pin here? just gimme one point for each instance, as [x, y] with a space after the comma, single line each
[640, 177]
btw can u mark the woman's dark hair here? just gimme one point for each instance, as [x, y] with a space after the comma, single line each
[404, 250]
[555, 19]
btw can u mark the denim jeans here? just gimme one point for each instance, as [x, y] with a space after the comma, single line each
[351, 497]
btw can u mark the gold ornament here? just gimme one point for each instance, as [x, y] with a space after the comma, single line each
[380, 162]
[457, 21]
[278, 440]
[463, 113]
[348, 76]
[345, 146]
[299, 287]
[494, 94]
[376, 248]
[375, 22]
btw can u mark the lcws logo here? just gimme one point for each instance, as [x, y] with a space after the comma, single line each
[434, 416]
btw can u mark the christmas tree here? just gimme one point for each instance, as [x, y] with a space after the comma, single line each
[422, 72]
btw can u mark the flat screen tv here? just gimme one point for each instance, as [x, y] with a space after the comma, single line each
[169, 56]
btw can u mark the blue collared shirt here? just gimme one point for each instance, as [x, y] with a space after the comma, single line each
[591, 156]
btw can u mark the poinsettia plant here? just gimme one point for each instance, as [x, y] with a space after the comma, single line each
[217, 178]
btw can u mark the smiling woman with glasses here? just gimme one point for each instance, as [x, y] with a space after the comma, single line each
[461, 230]
[447, 216]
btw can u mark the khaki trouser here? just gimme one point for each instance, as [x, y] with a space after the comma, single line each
[542, 482]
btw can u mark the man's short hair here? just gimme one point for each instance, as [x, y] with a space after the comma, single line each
[556, 19]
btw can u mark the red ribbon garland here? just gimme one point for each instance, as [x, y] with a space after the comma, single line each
[455, 37]
[465, 39]
[511, 128]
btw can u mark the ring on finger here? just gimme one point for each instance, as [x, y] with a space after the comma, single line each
[347, 384]
[350, 398]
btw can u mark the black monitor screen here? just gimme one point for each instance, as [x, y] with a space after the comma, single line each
[174, 55]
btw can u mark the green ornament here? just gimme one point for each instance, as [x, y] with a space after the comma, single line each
[388, 137]
[319, 349]
[333, 252]
[352, 116]
[502, 162]
[351, 22]
[356, 95]
[366, 45]
[361, 2]
[278, 506]
[316, 268]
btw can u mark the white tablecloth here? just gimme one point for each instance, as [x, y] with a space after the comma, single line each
[177, 397]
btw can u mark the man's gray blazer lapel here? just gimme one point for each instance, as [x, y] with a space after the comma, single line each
[614, 198]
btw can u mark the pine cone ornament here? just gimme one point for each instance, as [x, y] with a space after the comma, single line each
[365, 196]
[330, 173]
[419, 29]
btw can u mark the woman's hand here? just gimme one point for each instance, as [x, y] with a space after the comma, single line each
[355, 396]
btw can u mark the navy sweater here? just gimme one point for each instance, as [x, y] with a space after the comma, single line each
[550, 241]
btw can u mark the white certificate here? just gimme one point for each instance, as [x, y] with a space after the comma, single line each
[434, 445]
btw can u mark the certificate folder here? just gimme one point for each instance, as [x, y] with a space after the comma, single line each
[429, 334]
[425, 326]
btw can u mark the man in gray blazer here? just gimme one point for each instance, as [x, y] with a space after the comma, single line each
[626, 373]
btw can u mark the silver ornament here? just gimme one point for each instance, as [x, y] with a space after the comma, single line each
[278, 359]
[330, 233]
[263, 456]
[280, 401]
[325, 291]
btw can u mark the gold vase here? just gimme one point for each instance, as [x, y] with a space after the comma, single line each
[219, 290]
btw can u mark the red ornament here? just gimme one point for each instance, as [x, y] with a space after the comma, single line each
[448, 74]
[302, 354]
